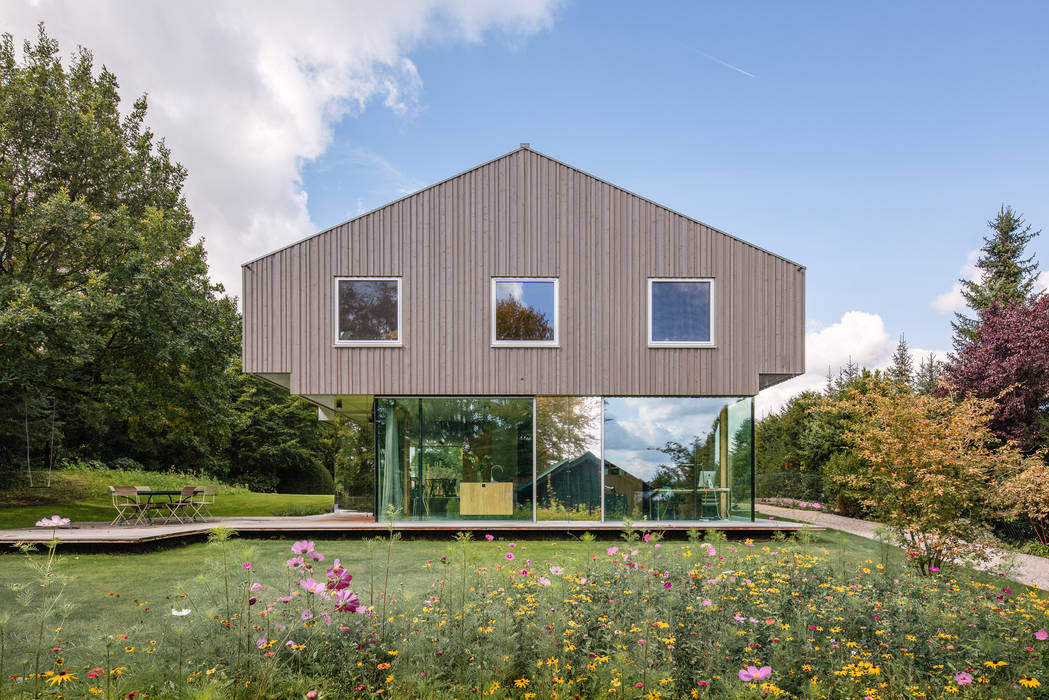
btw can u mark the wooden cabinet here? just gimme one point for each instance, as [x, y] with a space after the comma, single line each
[486, 498]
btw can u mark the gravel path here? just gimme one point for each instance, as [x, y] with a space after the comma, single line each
[1025, 568]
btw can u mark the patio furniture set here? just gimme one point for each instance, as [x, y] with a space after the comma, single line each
[136, 505]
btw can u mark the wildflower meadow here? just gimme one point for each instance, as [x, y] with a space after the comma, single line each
[639, 617]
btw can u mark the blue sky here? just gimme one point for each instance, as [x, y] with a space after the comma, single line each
[868, 141]
[871, 145]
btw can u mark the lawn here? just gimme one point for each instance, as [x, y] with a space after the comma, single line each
[831, 615]
[83, 496]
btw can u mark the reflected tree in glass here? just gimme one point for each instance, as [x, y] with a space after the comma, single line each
[368, 310]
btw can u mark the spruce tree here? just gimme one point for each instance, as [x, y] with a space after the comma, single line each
[1005, 275]
[928, 375]
[902, 370]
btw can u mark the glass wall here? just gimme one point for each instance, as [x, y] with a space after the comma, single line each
[678, 458]
[463, 458]
[568, 457]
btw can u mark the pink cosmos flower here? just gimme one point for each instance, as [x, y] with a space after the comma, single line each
[256, 586]
[752, 673]
[509, 556]
[346, 601]
[556, 570]
[803, 504]
[312, 695]
[707, 603]
[53, 521]
[963, 678]
[296, 563]
[338, 577]
[511, 544]
[612, 550]
[544, 581]
[1041, 635]
[312, 586]
[489, 537]
[246, 565]
[647, 537]
[306, 615]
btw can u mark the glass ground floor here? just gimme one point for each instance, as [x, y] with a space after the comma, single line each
[581, 458]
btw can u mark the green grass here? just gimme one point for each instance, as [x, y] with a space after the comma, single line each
[82, 494]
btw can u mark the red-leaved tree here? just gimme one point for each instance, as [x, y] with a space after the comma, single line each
[1009, 354]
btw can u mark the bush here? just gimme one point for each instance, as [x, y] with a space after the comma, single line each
[312, 478]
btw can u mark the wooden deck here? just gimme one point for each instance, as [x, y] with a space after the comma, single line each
[357, 525]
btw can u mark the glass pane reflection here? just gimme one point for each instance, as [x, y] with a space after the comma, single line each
[568, 457]
[674, 458]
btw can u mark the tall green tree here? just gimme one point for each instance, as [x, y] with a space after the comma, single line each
[106, 310]
[927, 378]
[902, 369]
[1006, 274]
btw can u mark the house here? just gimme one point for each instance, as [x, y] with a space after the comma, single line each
[523, 314]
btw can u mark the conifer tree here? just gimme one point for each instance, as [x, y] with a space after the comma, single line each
[928, 375]
[1005, 275]
[902, 370]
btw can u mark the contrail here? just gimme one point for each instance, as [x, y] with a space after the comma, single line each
[727, 65]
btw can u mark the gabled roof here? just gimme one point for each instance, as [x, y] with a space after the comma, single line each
[523, 147]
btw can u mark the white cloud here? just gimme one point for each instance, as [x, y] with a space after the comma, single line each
[246, 92]
[952, 301]
[859, 336]
[1041, 283]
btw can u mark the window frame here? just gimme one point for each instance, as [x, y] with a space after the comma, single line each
[555, 343]
[712, 343]
[337, 342]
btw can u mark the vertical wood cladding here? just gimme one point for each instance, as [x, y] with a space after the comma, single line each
[523, 215]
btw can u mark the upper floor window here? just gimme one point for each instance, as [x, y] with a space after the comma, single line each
[368, 311]
[524, 311]
[679, 312]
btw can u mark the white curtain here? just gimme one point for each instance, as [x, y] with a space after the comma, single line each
[392, 492]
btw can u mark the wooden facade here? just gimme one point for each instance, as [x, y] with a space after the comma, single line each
[524, 215]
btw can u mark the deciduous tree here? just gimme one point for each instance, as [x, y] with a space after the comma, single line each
[1008, 360]
[925, 465]
[105, 304]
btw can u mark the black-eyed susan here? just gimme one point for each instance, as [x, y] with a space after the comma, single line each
[63, 676]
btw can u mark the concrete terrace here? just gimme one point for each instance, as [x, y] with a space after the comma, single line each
[354, 525]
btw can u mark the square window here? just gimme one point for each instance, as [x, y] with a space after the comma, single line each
[679, 312]
[368, 311]
[524, 311]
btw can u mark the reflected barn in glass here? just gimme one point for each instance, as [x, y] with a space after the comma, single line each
[673, 458]
[568, 457]
[454, 458]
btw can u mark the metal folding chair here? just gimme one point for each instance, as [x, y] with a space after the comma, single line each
[183, 506]
[129, 508]
[202, 499]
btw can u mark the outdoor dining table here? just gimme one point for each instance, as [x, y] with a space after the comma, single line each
[149, 503]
